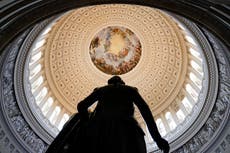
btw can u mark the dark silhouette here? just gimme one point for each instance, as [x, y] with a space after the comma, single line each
[111, 128]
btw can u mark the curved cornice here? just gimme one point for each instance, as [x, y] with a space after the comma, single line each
[200, 142]
[26, 99]
[18, 134]
[208, 97]
[202, 139]
[210, 101]
[217, 119]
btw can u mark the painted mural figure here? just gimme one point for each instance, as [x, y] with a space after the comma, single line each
[115, 50]
[111, 127]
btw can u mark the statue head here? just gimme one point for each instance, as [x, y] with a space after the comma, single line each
[115, 80]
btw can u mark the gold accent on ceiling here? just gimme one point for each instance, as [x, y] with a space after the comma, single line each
[159, 75]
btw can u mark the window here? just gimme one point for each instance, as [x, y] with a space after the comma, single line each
[64, 119]
[172, 124]
[161, 127]
[180, 115]
[47, 105]
[54, 115]
[186, 104]
[190, 39]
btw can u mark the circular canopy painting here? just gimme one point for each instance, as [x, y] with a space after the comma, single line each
[115, 50]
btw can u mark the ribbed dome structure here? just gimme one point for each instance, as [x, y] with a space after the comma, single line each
[176, 55]
[66, 63]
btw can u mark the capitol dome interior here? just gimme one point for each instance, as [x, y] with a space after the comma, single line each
[179, 67]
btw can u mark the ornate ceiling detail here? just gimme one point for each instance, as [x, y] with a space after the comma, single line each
[197, 138]
[115, 50]
[219, 115]
[72, 75]
[20, 128]
[14, 119]
[48, 106]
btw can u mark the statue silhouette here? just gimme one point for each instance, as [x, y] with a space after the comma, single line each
[111, 127]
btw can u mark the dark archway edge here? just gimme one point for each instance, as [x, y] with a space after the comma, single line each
[18, 15]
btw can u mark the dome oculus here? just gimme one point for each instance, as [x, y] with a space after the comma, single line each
[115, 50]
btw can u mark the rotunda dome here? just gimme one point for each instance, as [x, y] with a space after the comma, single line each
[149, 48]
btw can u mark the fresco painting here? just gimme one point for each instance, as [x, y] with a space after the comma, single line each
[115, 50]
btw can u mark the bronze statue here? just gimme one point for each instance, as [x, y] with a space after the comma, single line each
[111, 127]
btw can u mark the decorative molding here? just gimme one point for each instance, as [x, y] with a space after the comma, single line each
[218, 118]
[27, 104]
[222, 54]
[7, 143]
[206, 100]
[21, 130]
[23, 65]
[213, 123]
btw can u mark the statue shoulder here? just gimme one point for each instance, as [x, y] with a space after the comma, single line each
[132, 88]
[97, 88]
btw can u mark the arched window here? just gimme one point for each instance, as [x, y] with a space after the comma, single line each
[196, 66]
[196, 80]
[192, 91]
[171, 123]
[195, 53]
[186, 104]
[47, 105]
[180, 115]
[63, 121]
[35, 70]
[161, 127]
[41, 95]
[54, 115]
[36, 57]
[191, 40]
[37, 83]
[39, 44]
